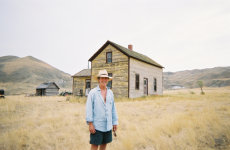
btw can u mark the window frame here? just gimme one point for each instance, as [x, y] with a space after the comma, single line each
[155, 84]
[137, 82]
[110, 58]
[89, 81]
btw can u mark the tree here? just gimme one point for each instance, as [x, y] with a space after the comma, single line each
[200, 84]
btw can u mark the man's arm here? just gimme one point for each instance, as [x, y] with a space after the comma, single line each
[114, 117]
[89, 113]
[91, 128]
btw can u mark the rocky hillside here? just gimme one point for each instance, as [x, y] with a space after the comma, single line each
[211, 77]
[23, 75]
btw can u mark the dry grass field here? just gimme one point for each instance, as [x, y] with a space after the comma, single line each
[179, 120]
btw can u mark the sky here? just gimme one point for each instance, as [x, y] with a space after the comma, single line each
[178, 34]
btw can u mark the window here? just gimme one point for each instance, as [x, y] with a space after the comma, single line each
[110, 82]
[137, 81]
[109, 57]
[87, 84]
[155, 84]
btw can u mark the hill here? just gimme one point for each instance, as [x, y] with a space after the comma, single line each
[211, 77]
[23, 75]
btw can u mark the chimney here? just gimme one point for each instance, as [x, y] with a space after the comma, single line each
[130, 47]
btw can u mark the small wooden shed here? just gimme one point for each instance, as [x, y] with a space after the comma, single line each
[47, 89]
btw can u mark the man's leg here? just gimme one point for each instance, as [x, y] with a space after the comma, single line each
[103, 146]
[94, 147]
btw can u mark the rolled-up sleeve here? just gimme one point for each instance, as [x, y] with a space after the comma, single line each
[89, 108]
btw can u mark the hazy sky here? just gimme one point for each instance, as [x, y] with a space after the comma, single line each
[178, 34]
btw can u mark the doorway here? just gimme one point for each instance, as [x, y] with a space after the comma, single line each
[145, 86]
[87, 86]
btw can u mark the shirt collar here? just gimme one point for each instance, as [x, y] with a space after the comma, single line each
[98, 88]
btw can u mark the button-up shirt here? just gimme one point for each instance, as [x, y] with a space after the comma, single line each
[102, 114]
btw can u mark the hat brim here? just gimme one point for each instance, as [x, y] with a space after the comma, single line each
[105, 76]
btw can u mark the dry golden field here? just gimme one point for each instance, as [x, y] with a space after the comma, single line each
[179, 120]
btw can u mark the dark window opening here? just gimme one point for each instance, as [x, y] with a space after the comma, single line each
[155, 85]
[137, 81]
[87, 84]
[109, 57]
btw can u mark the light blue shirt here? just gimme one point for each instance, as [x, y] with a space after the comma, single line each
[103, 115]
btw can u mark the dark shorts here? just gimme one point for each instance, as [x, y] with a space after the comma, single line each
[99, 137]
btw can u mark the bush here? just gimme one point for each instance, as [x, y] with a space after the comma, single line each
[191, 92]
[202, 93]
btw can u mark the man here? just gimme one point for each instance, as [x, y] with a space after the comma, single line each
[101, 115]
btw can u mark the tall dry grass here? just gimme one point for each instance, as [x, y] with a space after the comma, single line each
[178, 120]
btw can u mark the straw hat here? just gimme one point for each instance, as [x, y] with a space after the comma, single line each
[104, 73]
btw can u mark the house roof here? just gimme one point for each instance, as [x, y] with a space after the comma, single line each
[129, 53]
[46, 85]
[83, 73]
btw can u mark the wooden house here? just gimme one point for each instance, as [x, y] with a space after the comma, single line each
[47, 89]
[81, 82]
[134, 74]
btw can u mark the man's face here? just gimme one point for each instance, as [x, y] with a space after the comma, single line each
[103, 81]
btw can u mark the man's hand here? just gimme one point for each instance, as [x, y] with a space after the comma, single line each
[91, 128]
[114, 128]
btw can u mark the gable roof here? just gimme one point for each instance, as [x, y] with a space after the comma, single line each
[83, 73]
[46, 85]
[127, 52]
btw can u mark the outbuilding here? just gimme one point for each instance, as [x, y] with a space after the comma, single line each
[82, 82]
[47, 89]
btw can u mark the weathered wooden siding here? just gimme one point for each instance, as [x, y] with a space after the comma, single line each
[51, 91]
[145, 71]
[79, 83]
[118, 67]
